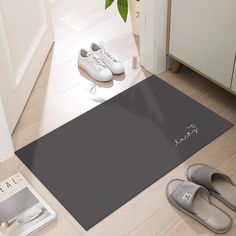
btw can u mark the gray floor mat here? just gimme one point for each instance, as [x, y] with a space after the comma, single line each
[97, 162]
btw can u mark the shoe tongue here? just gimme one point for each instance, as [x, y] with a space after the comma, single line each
[89, 54]
[100, 50]
[100, 47]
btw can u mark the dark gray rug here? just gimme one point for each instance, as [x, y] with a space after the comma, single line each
[97, 162]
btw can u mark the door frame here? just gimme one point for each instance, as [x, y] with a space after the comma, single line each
[153, 36]
[6, 145]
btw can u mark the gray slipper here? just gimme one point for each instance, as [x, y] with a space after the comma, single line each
[217, 183]
[194, 200]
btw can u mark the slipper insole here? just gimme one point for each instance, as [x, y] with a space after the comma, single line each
[227, 190]
[213, 216]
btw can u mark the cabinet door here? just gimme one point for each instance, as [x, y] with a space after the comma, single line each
[203, 35]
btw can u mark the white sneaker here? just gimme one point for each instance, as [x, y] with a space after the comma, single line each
[94, 66]
[112, 62]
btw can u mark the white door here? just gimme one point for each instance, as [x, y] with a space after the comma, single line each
[26, 37]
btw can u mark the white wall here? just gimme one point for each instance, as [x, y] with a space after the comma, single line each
[6, 147]
[154, 35]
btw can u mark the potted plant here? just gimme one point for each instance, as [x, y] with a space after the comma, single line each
[123, 6]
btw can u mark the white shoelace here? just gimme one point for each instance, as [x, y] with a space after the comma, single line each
[110, 56]
[96, 61]
[107, 53]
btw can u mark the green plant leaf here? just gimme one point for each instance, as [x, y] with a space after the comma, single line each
[108, 3]
[123, 8]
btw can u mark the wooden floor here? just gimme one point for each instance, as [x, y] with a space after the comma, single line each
[62, 92]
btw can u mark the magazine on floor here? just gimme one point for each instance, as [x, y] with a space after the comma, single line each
[22, 211]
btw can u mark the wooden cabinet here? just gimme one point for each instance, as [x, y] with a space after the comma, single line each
[203, 36]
